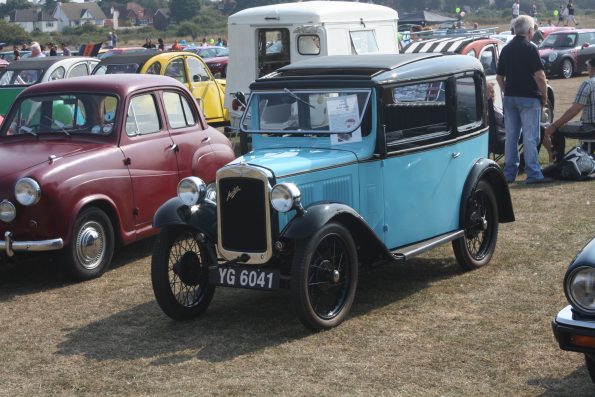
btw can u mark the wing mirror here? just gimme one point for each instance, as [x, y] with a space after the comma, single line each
[197, 78]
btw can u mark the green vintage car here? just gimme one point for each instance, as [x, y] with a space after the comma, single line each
[23, 73]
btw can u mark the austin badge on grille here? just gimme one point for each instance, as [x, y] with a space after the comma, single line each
[232, 193]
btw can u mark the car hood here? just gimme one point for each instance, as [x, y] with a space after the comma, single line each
[285, 161]
[22, 155]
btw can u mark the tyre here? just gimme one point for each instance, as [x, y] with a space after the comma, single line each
[476, 248]
[567, 69]
[590, 361]
[547, 113]
[180, 274]
[92, 247]
[324, 277]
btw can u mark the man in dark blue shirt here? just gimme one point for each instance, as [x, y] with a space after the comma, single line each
[522, 80]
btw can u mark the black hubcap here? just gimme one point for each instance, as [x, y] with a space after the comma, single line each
[478, 234]
[188, 268]
[187, 272]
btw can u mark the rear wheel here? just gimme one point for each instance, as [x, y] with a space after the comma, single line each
[476, 247]
[324, 277]
[180, 274]
[567, 69]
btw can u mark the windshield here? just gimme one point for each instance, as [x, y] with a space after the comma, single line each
[559, 40]
[23, 77]
[66, 114]
[306, 111]
[116, 69]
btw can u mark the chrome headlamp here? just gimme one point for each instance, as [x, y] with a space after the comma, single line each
[192, 190]
[7, 211]
[27, 191]
[552, 57]
[285, 197]
[579, 286]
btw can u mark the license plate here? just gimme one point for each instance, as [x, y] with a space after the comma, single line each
[244, 277]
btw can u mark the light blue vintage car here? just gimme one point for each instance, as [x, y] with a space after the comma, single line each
[356, 160]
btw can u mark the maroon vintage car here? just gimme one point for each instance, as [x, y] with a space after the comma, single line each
[86, 162]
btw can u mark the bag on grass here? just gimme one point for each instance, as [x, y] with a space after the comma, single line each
[577, 165]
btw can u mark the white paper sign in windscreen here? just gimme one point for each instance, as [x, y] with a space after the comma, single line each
[343, 115]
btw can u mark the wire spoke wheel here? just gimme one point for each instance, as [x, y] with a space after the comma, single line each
[476, 247]
[180, 274]
[324, 277]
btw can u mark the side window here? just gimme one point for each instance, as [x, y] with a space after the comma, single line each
[363, 42]
[57, 74]
[197, 70]
[468, 113]
[176, 70]
[142, 116]
[309, 44]
[155, 68]
[79, 70]
[178, 110]
[416, 115]
[488, 60]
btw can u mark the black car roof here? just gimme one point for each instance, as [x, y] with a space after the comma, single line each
[369, 70]
[124, 59]
[34, 63]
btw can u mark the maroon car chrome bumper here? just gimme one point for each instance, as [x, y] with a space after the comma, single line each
[10, 246]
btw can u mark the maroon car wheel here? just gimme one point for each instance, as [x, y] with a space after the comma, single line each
[92, 247]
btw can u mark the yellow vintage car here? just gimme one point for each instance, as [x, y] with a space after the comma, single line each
[189, 69]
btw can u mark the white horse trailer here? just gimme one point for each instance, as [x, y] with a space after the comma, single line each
[263, 39]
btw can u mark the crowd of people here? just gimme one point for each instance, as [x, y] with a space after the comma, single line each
[565, 13]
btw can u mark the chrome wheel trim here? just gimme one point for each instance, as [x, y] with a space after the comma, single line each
[90, 245]
[567, 69]
[547, 115]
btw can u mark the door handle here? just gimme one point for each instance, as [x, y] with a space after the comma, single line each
[455, 154]
[174, 147]
[206, 139]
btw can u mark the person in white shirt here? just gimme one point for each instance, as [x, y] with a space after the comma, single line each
[515, 9]
[36, 51]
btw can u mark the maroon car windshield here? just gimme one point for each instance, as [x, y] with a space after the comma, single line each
[92, 114]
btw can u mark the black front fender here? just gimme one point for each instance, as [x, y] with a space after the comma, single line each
[203, 218]
[491, 172]
[370, 247]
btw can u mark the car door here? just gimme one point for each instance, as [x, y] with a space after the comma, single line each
[420, 179]
[205, 89]
[150, 156]
[587, 49]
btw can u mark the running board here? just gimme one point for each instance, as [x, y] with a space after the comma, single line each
[409, 251]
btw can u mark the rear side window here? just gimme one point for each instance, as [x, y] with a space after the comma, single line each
[416, 114]
[155, 68]
[142, 116]
[488, 60]
[178, 110]
[363, 42]
[468, 109]
[79, 70]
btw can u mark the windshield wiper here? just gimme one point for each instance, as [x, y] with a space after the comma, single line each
[291, 94]
[27, 130]
[58, 124]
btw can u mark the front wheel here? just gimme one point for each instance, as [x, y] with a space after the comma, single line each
[324, 277]
[476, 247]
[547, 113]
[92, 247]
[566, 70]
[180, 274]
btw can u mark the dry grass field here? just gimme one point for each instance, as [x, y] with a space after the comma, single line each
[423, 328]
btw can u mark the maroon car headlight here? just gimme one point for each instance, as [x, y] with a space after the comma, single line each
[7, 211]
[27, 191]
[192, 190]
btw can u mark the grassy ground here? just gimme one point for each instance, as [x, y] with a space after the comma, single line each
[423, 328]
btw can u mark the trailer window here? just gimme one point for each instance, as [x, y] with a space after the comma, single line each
[309, 44]
[363, 42]
[273, 50]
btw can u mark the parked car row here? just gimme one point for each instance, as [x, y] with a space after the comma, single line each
[187, 68]
[565, 53]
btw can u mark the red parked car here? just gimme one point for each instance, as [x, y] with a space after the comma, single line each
[86, 162]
